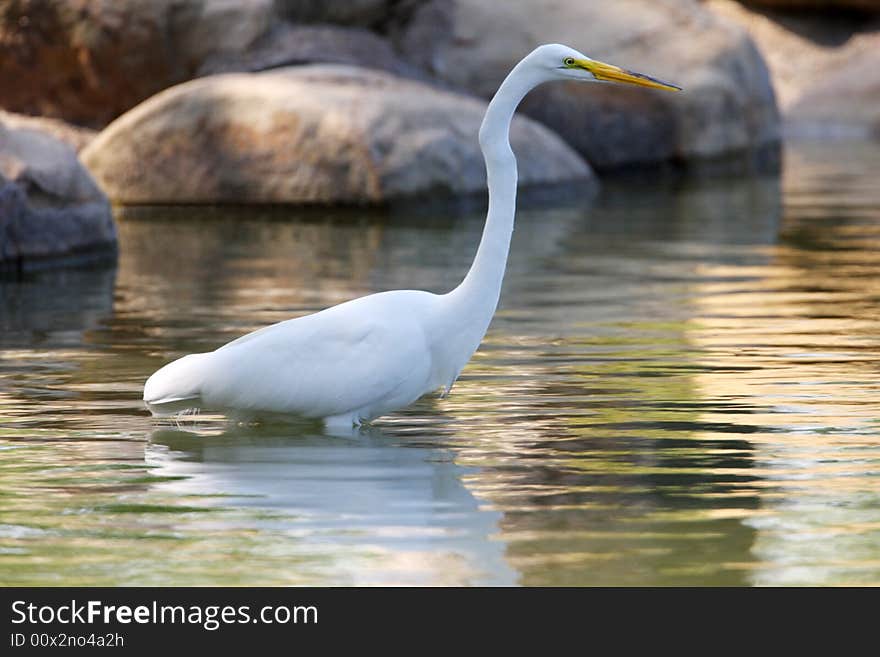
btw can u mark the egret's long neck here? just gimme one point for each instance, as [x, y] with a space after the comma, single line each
[481, 288]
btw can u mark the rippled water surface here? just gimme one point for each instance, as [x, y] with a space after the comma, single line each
[682, 386]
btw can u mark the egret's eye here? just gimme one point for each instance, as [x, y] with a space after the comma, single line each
[568, 61]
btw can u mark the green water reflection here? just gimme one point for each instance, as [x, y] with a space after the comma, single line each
[681, 387]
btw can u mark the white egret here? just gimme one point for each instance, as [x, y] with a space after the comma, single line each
[370, 356]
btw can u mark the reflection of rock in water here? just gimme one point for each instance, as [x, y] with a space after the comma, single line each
[606, 472]
[300, 257]
[231, 270]
[713, 211]
[54, 308]
[791, 336]
[45, 316]
[599, 298]
[383, 511]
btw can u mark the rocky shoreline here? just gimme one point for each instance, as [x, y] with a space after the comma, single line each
[373, 101]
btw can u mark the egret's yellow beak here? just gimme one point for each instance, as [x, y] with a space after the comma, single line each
[607, 72]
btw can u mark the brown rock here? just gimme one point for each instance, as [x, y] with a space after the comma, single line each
[310, 134]
[87, 61]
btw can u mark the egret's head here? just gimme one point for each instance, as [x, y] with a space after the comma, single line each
[561, 62]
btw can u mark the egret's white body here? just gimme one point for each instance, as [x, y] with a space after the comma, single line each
[367, 357]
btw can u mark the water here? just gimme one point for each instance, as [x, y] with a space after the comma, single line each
[680, 387]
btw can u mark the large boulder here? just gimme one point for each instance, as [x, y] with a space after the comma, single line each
[826, 69]
[727, 106]
[49, 204]
[87, 61]
[310, 134]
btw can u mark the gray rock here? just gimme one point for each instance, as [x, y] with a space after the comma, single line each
[846, 103]
[362, 13]
[72, 135]
[422, 31]
[310, 134]
[826, 69]
[727, 106]
[613, 126]
[49, 204]
[292, 45]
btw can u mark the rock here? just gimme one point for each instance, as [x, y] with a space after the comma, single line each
[288, 45]
[846, 103]
[49, 204]
[421, 31]
[310, 134]
[826, 70]
[362, 13]
[87, 61]
[382, 16]
[72, 135]
[214, 27]
[727, 106]
[612, 126]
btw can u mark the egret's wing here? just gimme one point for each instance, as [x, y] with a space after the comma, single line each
[342, 359]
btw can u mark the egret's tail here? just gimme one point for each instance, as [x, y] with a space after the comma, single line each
[177, 386]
